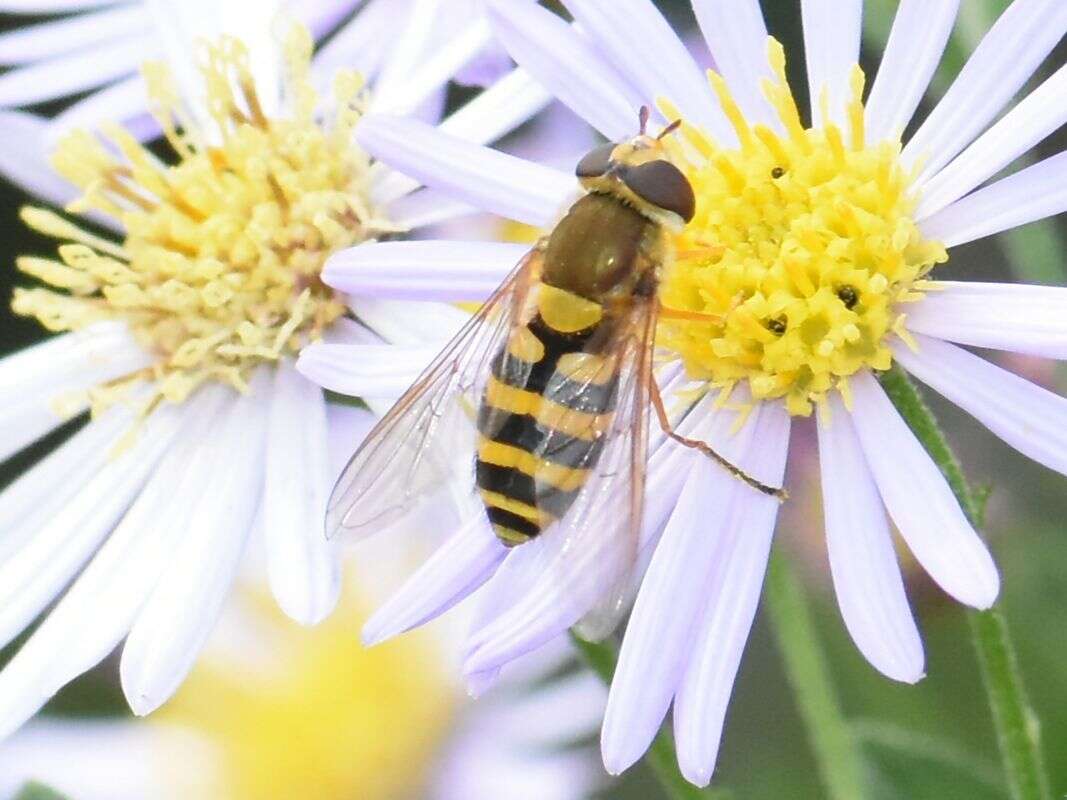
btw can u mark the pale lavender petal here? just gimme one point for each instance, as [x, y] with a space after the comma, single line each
[515, 577]
[360, 44]
[1031, 419]
[98, 758]
[37, 384]
[32, 576]
[1038, 115]
[364, 370]
[302, 565]
[419, 270]
[867, 580]
[175, 26]
[24, 159]
[459, 566]
[1031, 194]
[916, 44]
[660, 633]
[47, 39]
[488, 66]
[122, 101]
[920, 501]
[261, 33]
[427, 207]
[737, 37]
[51, 6]
[831, 47]
[72, 72]
[346, 330]
[41, 493]
[564, 709]
[321, 16]
[565, 62]
[96, 351]
[432, 71]
[411, 322]
[1019, 318]
[348, 426]
[480, 766]
[1003, 61]
[493, 181]
[553, 603]
[478, 683]
[499, 109]
[626, 28]
[97, 612]
[412, 35]
[733, 592]
[175, 622]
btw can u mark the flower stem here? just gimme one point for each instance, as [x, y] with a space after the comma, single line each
[836, 753]
[661, 757]
[1018, 731]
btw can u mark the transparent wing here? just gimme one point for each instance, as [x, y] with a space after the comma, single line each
[424, 446]
[597, 556]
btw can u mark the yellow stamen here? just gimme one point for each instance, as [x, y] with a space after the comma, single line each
[310, 713]
[818, 246]
[219, 270]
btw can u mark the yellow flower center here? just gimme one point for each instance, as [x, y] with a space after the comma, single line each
[309, 712]
[803, 245]
[219, 270]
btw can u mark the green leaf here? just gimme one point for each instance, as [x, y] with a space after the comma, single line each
[345, 400]
[837, 758]
[38, 791]
[914, 764]
[1035, 251]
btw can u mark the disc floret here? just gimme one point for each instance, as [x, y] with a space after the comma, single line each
[319, 715]
[803, 243]
[219, 269]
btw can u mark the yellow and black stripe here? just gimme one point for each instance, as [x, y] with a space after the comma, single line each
[546, 406]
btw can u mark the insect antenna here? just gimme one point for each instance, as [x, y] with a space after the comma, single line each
[669, 129]
[642, 118]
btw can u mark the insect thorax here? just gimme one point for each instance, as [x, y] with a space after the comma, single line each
[599, 248]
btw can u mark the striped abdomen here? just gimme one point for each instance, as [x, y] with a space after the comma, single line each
[547, 404]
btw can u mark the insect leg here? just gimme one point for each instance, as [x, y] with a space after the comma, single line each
[664, 312]
[703, 447]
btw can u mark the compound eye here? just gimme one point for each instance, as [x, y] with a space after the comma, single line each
[596, 162]
[663, 185]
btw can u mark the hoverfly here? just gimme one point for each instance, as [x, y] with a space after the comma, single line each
[541, 402]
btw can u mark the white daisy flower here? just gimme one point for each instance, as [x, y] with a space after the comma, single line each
[180, 336]
[276, 711]
[816, 244]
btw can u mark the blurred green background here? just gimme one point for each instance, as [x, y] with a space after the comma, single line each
[931, 740]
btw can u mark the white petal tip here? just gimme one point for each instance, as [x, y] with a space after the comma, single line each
[478, 661]
[476, 687]
[698, 776]
[700, 780]
[308, 616]
[910, 676]
[141, 704]
[617, 762]
[983, 593]
[331, 271]
[375, 634]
